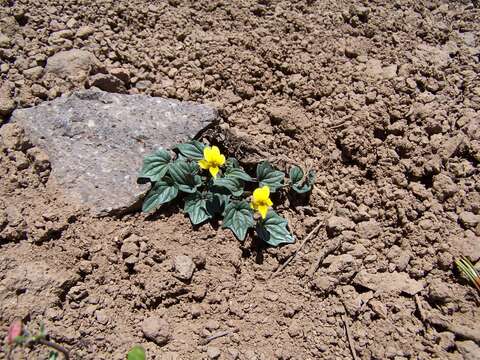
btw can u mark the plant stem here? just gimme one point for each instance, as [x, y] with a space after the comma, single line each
[54, 346]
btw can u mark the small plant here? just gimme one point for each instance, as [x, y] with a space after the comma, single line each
[468, 271]
[137, 353]
[18, 335]
[213, 186]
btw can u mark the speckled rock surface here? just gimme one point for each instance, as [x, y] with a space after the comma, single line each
[96, 141]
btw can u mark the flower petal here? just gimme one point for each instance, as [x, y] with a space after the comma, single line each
[215, 151]
[203, 164]
[207, 153]
[263, 209]
[269, 202]
[221, 160]
[214, 170]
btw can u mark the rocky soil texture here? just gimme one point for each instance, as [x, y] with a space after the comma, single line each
[381, 98]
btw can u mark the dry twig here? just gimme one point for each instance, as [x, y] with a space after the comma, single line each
[206, 340]
[349, 338]
[327, 250]
[308, 237]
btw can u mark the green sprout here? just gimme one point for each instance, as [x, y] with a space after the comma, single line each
[468, 271]
[137, 352]
[213, 186]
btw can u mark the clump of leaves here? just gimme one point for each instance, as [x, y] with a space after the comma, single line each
[212, 186]
[137, 352]
[468, 271]
[19, 336]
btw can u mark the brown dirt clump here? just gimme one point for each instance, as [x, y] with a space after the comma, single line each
[382, 99]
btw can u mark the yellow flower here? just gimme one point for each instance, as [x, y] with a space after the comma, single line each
[261, 201]
[212, 160]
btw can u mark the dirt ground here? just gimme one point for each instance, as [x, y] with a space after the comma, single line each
[381, 98]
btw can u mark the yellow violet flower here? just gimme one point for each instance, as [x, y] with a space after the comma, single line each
[212, 160]
[261, 200]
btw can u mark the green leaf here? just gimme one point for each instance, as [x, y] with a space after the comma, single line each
[196, 208]
[295, 174]
[155, 167]
[216, 203]
[238, 218]
[267, 175]
[137, 353]
[192, 150]
[232, 163]
[238, 173]
[273, 230]
[307, 186]
[161, 192]
[53, 355]
[234, 185]
[184, 175]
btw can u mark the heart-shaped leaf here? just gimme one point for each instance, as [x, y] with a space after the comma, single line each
[161, 192]
[238, 173]
[184, 175]
[196, 208]
[273, 230]
[137, 353]
[216, 203]
[234, 185]
[232, 163]
[193, 150]
[154, 167]
[238, 218]
[267, 175]
[295, 174]
[307, 186]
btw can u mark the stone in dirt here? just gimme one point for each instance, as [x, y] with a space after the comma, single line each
[393, 283]
[184, 267]
[74, 64]
[96, 141]
[468, 349]
[156, 329]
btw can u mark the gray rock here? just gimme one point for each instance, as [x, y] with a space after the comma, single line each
[157, 330]
[468, 349]
[73, 64]
[96, 141]
[184, 267]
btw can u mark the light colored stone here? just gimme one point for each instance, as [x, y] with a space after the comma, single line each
[96, 141]
[73, 64]
[468, 349]
[156, 329]
[184, 267]
[390, 283]
[468, 219]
